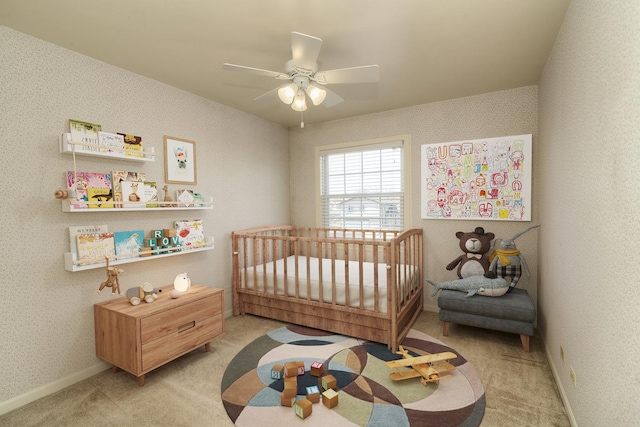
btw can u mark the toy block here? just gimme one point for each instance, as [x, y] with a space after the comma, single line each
[151, 242]
[290, 388]
[277, 372]
[317, 369]
[157, 234]
[167, 249]
[303, 408]
[301, 369]
[291, 369]
[330, 398]
[169, 232]
[287, 401]
[146, 251]
[313, 394]
[165, 241]
[329, 382]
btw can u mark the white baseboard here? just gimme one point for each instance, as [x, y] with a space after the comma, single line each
[556, 377]
[47, 389]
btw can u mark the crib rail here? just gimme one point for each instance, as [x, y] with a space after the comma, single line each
[396, 258]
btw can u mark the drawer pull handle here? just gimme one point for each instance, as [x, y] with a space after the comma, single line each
[187, 326]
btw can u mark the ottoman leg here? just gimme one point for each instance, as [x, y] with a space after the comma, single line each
[525, 342]
[445, 329]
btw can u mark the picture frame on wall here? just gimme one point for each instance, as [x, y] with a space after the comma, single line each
[179, 161]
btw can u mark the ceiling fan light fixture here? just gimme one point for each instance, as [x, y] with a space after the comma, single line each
[316, 94]
[299, 102]
[287, 93]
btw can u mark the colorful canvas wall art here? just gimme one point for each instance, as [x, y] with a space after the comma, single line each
[479, 179]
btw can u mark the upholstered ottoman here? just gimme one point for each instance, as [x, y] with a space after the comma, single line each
[513, 312]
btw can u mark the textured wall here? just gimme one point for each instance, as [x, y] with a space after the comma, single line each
[511, 112]
[588, 182]
[47, 313]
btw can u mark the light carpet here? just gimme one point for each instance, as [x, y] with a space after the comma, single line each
[366, 394]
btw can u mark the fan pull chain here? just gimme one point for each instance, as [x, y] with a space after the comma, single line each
[301, 120]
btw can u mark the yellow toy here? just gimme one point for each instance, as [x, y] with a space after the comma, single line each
[427, 367]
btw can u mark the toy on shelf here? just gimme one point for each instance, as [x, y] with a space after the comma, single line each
[475, 260]
[428, 367]
[144, 292]
[112, 279]
[167, 198]
[507, 261]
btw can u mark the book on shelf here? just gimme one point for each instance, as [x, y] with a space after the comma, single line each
[117, 177]
[128, 244]
[111, 142]
[132, 145]
[190, 233]
[97, 196]
[81, 182]
[75, 231]
[85, 132]
[185, 197]
[151, 194]
[132, 193]
[95, 247]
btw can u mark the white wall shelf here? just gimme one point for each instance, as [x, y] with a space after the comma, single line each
[80, 148]
[68, 206]
[70, 259]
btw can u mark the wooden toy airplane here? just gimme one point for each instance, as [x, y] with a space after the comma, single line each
[429, 367]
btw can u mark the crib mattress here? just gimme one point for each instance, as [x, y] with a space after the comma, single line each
[267, 275]
[368, 280]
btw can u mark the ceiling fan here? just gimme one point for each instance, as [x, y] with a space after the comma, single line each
[303, 75]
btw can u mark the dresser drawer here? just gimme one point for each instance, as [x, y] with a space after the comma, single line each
[179, 319]
[180, 341]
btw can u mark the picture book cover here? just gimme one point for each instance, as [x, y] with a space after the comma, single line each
[117, 177]
[190, 233]
[128, 243]
[82, 181]
[132, 193]
[111, 142]
[151, 194]
[93, 248]
[185, 197]
[97, 197]
[132, 145]
[74, 231]
[85, 132]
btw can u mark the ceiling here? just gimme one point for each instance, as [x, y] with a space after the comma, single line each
[427, 50]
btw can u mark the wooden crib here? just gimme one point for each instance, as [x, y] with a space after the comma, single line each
[365, 284]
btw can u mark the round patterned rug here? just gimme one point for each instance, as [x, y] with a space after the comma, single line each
[366, 394]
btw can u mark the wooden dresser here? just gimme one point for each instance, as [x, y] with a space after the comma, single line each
[141, 338]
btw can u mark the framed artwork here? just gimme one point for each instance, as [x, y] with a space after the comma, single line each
[179, 161]
[481, 179]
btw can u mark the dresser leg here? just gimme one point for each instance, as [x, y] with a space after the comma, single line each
[141, 380]
[207, 346]
[114, 369]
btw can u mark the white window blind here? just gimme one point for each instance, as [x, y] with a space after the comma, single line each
[363, 186]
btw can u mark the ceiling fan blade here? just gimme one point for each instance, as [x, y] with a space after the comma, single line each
[331, 99]
[257, 71]
[364, 74]
[270, 96]
[305, 50]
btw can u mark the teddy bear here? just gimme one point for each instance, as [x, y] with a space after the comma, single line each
[475, 260]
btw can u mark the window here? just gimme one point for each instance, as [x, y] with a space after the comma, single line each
[362, 185]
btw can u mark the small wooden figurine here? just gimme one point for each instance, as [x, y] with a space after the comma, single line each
[167, 197]
[112, 279]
